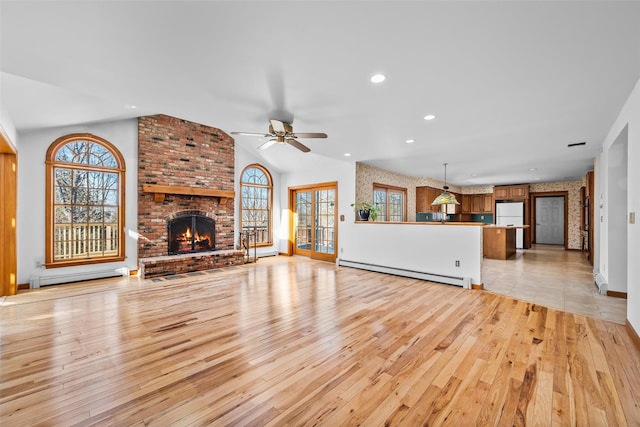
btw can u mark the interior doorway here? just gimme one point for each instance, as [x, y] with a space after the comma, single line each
[313, 220]
[549, 212]
[616, 211]
[550, 220]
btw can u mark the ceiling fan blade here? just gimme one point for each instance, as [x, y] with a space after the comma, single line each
[310, 135]
[267, 144]
[300, 146]
[277, 125]
[250, 134]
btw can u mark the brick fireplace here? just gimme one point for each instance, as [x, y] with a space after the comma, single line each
[184, 168]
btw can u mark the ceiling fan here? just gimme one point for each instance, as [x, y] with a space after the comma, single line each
[283, 132]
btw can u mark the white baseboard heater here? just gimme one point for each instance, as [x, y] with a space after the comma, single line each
[464, 282]
[601, 283]
[36, 281]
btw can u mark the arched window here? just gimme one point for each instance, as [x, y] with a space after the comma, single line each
[85, 201]
[256, 200]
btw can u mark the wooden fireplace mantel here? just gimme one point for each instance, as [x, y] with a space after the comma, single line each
[159, 192]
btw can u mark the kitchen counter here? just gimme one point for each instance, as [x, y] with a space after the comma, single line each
[499, 241]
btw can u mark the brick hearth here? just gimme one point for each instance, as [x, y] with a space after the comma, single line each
[185, 263]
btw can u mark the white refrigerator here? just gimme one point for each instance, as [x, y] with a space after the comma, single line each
[511, 213]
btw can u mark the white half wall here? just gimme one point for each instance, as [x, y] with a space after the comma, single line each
[31, 196]
[629, 116]
[429, 248]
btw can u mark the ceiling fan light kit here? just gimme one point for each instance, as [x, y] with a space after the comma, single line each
[282, 132]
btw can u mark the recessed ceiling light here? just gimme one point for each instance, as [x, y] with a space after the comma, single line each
[347, 154]
[378, 78]
[429, 117]
[533, 169]
[537, 178]
[410, 141]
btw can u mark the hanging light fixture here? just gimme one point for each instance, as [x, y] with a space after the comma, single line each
[445, 198]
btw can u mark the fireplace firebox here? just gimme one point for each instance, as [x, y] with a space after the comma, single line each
[191, 233]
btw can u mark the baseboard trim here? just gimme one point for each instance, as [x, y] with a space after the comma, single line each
[133, 272]
[634, 335]
[22, 286]
[617, 294]
[283, 254]
[479, 287]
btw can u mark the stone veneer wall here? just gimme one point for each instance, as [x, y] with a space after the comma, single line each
[173, 151]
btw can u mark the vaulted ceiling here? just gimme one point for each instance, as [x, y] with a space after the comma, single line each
[511, 84]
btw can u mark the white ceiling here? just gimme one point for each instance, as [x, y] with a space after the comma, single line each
[511, 83]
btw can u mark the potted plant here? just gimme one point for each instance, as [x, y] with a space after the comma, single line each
[366, 210]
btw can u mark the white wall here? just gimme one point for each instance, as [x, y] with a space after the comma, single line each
[616, 212]
[244, 158]
[324, 170]
[31, 194]
[629, 115]
[7, 124]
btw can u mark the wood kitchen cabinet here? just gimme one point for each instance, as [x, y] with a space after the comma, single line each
[466, 203]
[424, 197]
[477, 203]
[511, 192]
[487, 203]
[421, 200]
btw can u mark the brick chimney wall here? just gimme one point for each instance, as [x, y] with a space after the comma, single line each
[173, 151]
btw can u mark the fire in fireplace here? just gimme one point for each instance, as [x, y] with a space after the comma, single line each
[191, 233]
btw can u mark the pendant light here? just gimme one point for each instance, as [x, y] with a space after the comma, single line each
[445, 198]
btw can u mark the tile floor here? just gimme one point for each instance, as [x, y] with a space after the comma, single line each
[550, 276]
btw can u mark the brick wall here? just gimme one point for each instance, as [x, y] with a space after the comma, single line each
[173, 151]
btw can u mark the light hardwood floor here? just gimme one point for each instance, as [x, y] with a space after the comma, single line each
[288, 341]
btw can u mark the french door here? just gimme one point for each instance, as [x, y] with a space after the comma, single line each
[313, 221]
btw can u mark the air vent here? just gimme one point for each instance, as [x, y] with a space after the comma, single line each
[576, 144]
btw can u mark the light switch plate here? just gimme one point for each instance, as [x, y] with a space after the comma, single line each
[632, 217]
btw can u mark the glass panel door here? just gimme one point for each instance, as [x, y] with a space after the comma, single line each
[324, 221]
[314, 220]
[304, 219]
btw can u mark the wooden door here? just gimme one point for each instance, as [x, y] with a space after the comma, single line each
[314, 219]
[8, 214]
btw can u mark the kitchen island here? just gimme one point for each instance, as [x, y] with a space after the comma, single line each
[499, 241]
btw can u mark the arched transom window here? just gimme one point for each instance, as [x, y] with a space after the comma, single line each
[85, 201]
[256, 199]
